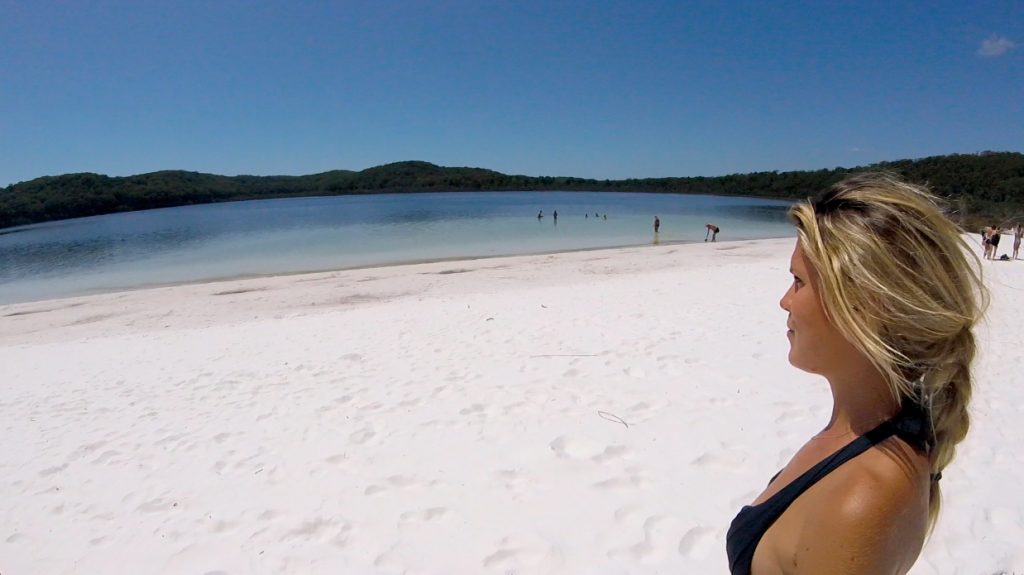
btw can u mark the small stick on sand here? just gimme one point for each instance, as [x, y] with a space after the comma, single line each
[612, 417]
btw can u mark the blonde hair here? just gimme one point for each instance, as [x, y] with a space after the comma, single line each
[899, 281]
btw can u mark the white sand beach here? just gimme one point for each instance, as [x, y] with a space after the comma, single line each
[598, 412]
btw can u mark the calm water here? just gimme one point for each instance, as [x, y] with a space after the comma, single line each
[194, 243]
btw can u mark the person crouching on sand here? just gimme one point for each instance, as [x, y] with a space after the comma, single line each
[892, 333]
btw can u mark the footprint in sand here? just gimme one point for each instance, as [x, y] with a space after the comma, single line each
[627, 513]
[52, 470]
[656, 542]
[514, 481]
[612, 453]
[397, 482]
[425, 515]
[337, 459]
[476, 408]
[576, 447]
[697, 543]
[789, 415]
[410, 402]
[442, 390]
[221, 437]
[721, 460]
[512, 553]
[321, 530]
[635, 372]
[642, 411]
[269, 515]
[362, 436]
[633, 478]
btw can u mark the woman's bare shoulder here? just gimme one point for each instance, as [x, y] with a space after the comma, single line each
[872, 518]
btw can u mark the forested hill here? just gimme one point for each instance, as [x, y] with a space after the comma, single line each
[989, 185]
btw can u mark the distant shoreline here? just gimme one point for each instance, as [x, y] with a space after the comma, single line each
[288, 274]
[982, 186]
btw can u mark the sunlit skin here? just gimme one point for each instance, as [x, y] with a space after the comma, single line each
[860, 394]
[869, 516]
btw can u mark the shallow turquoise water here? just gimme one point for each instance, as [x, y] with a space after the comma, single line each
[213, 241]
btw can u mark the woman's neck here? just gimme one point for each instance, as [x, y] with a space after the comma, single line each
[861, 400]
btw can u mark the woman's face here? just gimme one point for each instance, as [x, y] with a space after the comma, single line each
[815, 345]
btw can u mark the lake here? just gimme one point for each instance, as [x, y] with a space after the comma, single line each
[264, 237]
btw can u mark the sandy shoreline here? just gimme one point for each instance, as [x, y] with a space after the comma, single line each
[586, 412]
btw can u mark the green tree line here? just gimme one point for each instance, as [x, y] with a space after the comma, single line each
[985, 187]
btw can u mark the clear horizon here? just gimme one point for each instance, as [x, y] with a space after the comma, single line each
[599, 90]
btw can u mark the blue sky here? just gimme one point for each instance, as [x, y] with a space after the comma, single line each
[587, 89]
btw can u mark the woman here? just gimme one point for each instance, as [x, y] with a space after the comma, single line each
[883, 301]
[993, 240]
[1018, 233]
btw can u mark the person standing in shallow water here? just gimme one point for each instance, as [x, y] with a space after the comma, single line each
[892, 333]
[657, 224]
[555, 216]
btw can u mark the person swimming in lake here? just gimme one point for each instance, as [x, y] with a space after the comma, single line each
[892, 333]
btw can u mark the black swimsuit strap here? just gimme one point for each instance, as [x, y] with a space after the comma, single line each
[789, 493]
[754, 520]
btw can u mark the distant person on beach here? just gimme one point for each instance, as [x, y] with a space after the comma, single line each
[993, 241]
[1018, 233]
[657, 224]
[712, 230]
[892, 332]
[555, 216]
[540, 214]
[986, 246]
[606, 216]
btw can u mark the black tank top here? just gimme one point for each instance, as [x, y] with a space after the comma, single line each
[753, 521]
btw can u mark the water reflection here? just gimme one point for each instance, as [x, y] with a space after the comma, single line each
[45, 255]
